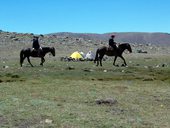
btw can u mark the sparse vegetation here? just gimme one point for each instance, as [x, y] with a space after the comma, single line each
[55, 96]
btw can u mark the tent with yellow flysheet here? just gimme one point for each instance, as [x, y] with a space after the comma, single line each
[77, 56]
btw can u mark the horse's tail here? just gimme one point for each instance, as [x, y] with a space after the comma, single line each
[21, 57]
[96, 58]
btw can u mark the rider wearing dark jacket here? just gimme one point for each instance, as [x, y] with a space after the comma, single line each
[112, 43]
[36, 45]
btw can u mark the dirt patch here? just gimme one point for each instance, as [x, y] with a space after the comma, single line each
[15, 76]
[107, 101]
[3, 121]
[11, 78]
[117, 111]
[163, 102]
[121, 88]
[28, 123]
[36, 121]
[70, 68]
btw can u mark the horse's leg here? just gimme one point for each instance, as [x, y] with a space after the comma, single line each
[29, 61]
[97, 62]
[101, 62]
[114, 60]
[42, 61]
[96, 58]
[123, 60]
[101, 57]
[22, 60]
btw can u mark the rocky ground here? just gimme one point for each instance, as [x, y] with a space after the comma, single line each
[11, 43]
[72, 94]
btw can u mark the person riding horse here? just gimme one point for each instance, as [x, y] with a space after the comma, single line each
[112, 43]
[36, 46]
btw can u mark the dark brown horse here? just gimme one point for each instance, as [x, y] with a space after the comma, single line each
[26, 53]
[110, 52]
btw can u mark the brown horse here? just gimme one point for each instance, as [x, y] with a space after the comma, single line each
[110, 52]
[26, 53]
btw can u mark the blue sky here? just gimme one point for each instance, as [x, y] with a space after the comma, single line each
[89, 16]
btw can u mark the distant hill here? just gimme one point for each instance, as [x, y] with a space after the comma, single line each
[130, 37]
[162, 39]
[66, 43]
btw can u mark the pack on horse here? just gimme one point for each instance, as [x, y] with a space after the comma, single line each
[28, 52]
[112, 52]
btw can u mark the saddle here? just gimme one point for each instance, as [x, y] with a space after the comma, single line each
[37, 51]
[110, 48]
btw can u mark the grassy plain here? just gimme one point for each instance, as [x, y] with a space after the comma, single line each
[63, 94]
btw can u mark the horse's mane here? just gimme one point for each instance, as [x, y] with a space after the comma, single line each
[122, 44]
[46, 47]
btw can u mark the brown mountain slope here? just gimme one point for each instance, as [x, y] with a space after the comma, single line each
[130, 37]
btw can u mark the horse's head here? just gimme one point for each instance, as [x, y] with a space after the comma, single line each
[53, 51]
[125, 46]
[129, 48]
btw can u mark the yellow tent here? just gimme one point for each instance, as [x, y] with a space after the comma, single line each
[76, 55]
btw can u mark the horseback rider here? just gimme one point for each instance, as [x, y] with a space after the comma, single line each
[112, 43]
[36, 45]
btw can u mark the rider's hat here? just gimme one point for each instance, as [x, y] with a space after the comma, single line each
[113, 36]
[36, 37]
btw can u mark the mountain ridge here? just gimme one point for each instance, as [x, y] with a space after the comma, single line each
[157, 38]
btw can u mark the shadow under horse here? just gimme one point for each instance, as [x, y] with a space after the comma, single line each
[28, 52]
[111, 52]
